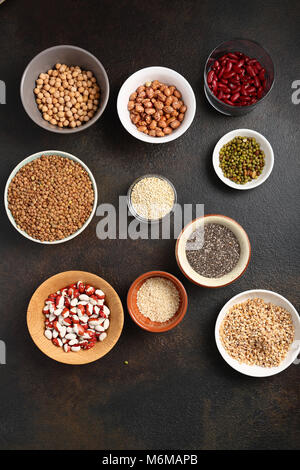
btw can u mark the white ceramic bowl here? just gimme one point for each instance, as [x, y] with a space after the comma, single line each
[276, 299]
[238, 270]
[164, 75]
[30, 159]
[264, 145]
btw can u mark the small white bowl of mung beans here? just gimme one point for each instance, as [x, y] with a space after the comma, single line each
[257, 333]
[156, 105]
[50, 197]
[151, 198]
[243, 159]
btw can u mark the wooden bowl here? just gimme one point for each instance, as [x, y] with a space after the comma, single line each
[35, 317]
[228, 278]
[146, 323]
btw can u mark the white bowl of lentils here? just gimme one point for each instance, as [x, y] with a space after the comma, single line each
[257, 333]
[50, 197]
[146, 77]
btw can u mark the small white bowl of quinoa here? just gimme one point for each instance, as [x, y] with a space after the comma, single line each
[257, 333]
[50, 197]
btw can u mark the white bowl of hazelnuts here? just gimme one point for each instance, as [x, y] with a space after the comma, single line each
[64, 89]
[156, 105]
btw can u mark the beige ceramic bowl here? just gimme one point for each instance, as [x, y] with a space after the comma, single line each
[239, 269]
[35, 317]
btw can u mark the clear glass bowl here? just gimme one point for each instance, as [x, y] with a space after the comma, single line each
[251, 49]
[130, 205]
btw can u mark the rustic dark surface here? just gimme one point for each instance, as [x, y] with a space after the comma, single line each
[176, 392]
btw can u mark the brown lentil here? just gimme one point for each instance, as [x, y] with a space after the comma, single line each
[67, 96]
[51, 197]
[217, 255]
[257, 333]
[156, 109]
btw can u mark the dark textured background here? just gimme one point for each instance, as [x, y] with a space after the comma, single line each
[176, 392]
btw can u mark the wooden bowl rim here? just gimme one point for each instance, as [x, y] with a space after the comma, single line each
[76, 358]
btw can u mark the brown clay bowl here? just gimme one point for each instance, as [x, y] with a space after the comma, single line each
[35, 318]
[146, 323]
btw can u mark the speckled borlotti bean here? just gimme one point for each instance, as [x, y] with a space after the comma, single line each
[76, 317]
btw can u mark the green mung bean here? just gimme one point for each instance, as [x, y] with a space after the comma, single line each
[242, 159]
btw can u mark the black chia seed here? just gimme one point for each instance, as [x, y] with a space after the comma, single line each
[219, 253]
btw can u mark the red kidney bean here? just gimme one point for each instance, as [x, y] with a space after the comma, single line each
[229, 74]
[224, 87]
[228, 67]
[250, 70]
[235, 97]
[232, 56]
[237, 79]
[261, 74]
[221, 72]
[256, 82]
[210, 76]
[260, 92]
[258, 66]
[228, 102]
[236, 69]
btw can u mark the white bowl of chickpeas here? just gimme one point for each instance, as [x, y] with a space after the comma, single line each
[64, 89]
[156, 105]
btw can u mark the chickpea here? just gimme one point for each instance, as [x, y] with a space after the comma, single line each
[68, 96]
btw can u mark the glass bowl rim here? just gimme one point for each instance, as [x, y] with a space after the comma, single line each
[130, 205]
[229, 106]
